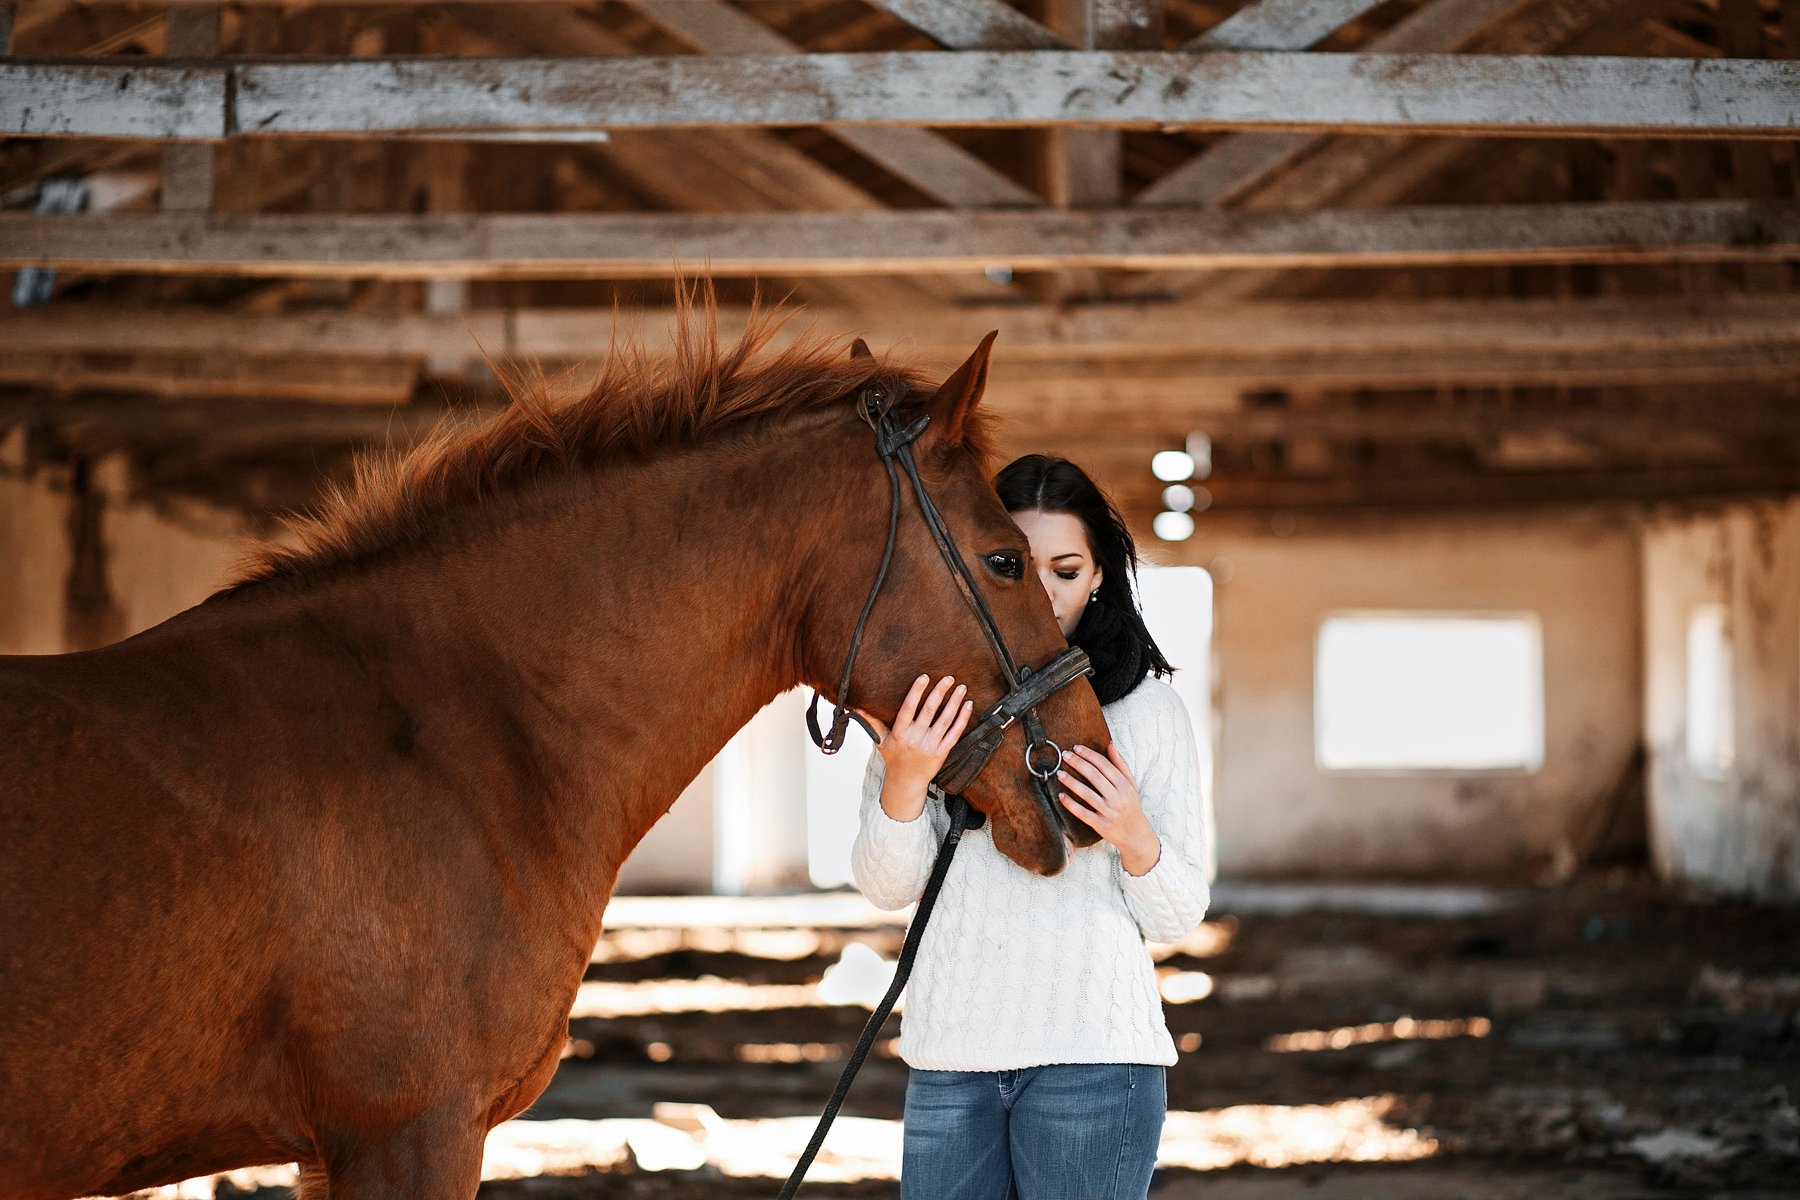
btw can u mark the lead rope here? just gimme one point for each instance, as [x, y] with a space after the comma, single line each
[959, 814]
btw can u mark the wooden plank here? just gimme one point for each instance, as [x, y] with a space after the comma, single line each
[1232, 166]
[1421, 423]
[306, 377]
[135, 99]
[1125, 24]
[632, 245]
[1462, 339]
[1469, 489]
[1281, 24]
[187, 167]
[928, 161]
[974, 24]
[7, 13]
[1419, 93]
[1408, 92]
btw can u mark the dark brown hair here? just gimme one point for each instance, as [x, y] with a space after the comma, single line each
[1051, 484]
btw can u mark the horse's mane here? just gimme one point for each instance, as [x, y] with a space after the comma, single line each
[640, 402]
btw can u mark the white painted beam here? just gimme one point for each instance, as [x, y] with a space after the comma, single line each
[1413, 93]
[633, 245]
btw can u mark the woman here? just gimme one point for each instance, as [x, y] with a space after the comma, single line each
[1033, 1024]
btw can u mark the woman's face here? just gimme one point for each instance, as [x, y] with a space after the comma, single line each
[1063, 561]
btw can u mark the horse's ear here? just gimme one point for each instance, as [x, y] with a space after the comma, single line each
[860, 349]
[960, 393]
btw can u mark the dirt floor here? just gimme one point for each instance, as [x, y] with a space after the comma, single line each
[1599, 1041]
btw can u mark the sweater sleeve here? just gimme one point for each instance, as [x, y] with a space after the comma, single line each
[1169, 899]
[890, 860]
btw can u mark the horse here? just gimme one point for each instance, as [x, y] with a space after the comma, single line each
[312, 871]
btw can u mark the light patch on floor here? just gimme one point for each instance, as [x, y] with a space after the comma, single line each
[687, 1137]
[1402, 1029]
[708, 994]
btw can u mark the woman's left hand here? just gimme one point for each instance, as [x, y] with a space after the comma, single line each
[1103, 794]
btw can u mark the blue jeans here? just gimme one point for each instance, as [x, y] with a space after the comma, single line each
[1073, 1131]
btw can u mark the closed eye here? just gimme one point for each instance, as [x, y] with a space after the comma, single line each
[1006, 564]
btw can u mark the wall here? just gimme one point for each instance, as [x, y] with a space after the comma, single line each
[34, 551]
[1738, 834]
[84, 561]
[1279, 815]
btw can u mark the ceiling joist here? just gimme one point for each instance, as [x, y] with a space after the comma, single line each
[639, 245]
[1411, 93]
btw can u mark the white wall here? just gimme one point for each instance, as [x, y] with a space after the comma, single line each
[1280, 815]
[1739, 833]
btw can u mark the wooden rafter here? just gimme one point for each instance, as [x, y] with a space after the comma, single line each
[1615, 331]
[926, 160]
[633, 245]
[1413, 93]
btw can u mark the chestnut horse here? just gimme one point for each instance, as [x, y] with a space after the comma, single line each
[312, 871]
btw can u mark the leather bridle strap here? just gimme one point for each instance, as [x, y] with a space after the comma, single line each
[1025, 689]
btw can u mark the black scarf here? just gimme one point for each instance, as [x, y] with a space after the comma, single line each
[1120, 656]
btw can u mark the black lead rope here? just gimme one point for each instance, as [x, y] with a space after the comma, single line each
[959, 815]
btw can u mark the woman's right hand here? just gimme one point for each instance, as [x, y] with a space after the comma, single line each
[924, 730]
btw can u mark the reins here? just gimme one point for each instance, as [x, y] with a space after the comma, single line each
[959, 813]
[1025, 690]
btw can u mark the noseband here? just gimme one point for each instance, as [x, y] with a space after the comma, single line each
[1025, 688]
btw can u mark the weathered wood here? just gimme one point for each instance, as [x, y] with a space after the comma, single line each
[1281, 24]
[1125, 24]
[1237, 163]
[1152, 365]
[974, 24]
[926, 160]
[930, 242]
[113, 99]
[187, 167]
[1440, 491]
[307, 377]
[1402, 92]
[1415, 92]
[6, 28]
[1396, 424]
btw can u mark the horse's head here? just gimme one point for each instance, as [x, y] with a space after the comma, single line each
[921, 621]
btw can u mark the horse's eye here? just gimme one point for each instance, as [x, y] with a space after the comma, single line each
[1007, 566]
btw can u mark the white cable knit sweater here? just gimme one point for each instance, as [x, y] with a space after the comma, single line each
[1016, 970]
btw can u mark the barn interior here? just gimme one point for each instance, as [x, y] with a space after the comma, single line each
[1440, 354]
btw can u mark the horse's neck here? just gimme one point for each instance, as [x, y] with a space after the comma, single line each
[590, 649]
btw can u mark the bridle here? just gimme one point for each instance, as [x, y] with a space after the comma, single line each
[1025, 688]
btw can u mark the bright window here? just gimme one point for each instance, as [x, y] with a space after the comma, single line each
[1709, 741]
[1422, 692]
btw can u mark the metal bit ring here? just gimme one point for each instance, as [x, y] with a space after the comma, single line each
[1031, 759]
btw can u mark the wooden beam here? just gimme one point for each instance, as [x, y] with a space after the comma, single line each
[1231, 166]
[974, 24]
[1414, 423]
[1469, 489]
[1087, 369]
[637, 245]
[304, 378]
[928, 161]
[1416, 93]
[142, 100]
[187, 167]
[1281, 24]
